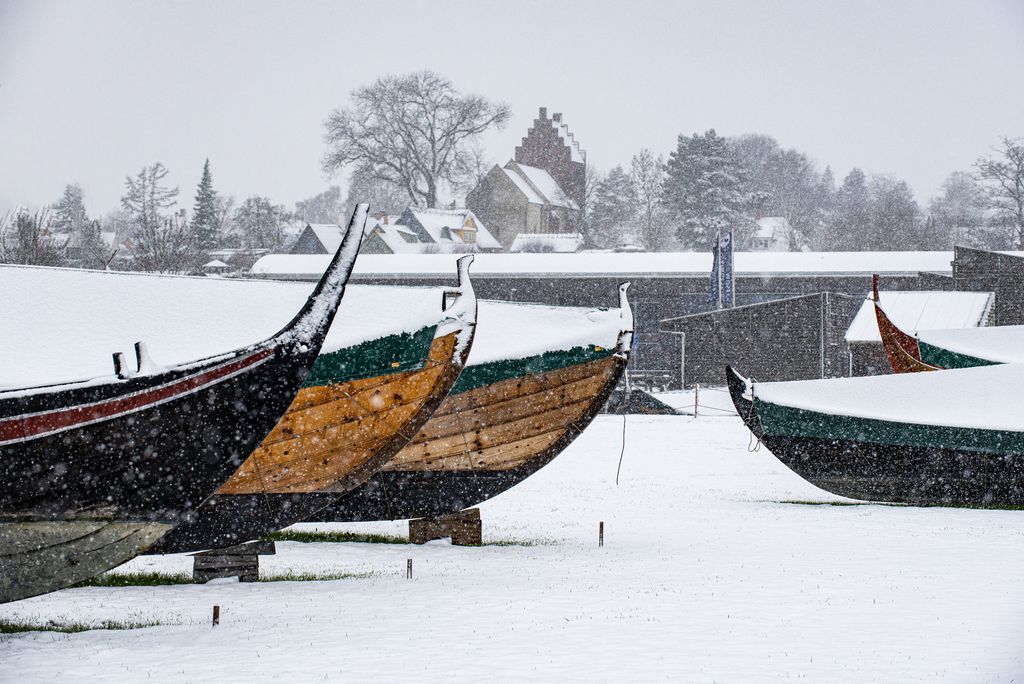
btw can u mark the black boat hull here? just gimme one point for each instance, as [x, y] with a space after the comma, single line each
[906, 474]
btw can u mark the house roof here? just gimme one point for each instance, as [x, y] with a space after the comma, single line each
[216, 263]
[532, 196]
[925, 310]
[546, 186]
[329, 235]
[434, 221]
[553, 242]
[395, 235]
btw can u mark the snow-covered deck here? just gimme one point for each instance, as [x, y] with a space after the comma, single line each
[704, 577]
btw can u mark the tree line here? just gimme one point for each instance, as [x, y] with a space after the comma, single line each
[710, 182]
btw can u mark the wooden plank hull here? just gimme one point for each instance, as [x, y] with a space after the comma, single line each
[893, 462]
[330, 440]
[484, 441]
[40, 557]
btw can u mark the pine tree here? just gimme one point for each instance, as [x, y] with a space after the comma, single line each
[648, 175]
[614, 209]
[850, 222]
[205, 219]
[705, 190]
[69, 215]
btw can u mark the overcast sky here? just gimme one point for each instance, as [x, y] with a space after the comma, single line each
[92, 91]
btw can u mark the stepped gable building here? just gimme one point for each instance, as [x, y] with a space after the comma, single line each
[540, 191]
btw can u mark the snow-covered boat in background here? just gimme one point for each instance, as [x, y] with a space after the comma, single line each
[950, 438]
[93, 471]
[361, 403]
[927, 350]
[536, 377]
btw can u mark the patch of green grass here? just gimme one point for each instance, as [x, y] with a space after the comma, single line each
[15, 627]
[136, 579]
[314, 576]
[336, 537]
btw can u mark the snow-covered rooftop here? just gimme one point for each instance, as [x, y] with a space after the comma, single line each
[583, 264]
[531, 195]
[435, 221]
[543, 183]
[216, 263]
[924, 310]
[329, 234]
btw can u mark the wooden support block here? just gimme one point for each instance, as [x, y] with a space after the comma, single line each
[464, 528]
[241, 561]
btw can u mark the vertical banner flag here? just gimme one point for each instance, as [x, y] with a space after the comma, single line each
[728, 286]
[715, 289]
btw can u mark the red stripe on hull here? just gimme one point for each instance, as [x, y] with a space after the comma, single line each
[26, 427]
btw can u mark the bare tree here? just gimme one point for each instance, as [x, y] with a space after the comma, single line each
[411, 131]
[146, 197]
[1003, 176]
[648, 175]
[169, 246]
[25, 239]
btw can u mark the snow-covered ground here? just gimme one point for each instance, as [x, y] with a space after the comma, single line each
[706, 575]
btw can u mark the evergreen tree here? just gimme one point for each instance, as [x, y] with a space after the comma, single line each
[614, 209]
[259, 222]
[851, 216]
[895, 216]
[958, 215]
[146, 197]
[205, 218]
[704, 191]
[69, 215]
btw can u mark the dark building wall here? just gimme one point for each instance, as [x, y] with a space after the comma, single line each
[787, 339]
[976, 270]
[657, 357]
[544, 148]
[868, 358]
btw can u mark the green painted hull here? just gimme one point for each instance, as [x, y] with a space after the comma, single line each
[373, 358]
[944, 358]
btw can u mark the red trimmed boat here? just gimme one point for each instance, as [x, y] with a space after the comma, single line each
[952, 438]
[927, 350]
[92, 472]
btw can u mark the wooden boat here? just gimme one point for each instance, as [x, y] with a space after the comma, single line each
[92, 472]
[928, 350]
[358, 407]
[950, 438]
[507, 416]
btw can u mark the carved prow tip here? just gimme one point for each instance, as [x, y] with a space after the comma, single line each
[465, 286]
[121, 369]
[625, 342]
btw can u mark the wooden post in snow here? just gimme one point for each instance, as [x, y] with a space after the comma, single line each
[408, 569]
[600, 533]
[216, 615]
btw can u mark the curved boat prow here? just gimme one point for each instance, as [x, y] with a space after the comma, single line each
[310, 325]
[901, 349]
[625, 340]
[740, 388]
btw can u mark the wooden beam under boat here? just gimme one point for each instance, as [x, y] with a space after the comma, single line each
[144, 447]
[503, 421]
[923, 453]
[359, 407]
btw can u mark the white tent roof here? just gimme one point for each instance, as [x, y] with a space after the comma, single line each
[927, 310]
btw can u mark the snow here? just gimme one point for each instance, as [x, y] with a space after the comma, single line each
[575, 153]
[986, 397]
[556, 242]
[531, 195]
[651, 264]
[912, 311]
[705, 576]
[63, 324]
[507, 330]
[434, 221]
[1004, 343]
[329, 235]
[216, 263]
[542, 181]
[769, 226]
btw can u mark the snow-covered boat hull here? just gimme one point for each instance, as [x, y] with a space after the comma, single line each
[501, 423]
[888, 461]
[150, 445]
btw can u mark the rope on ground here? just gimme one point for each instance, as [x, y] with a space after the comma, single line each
[622, 452]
